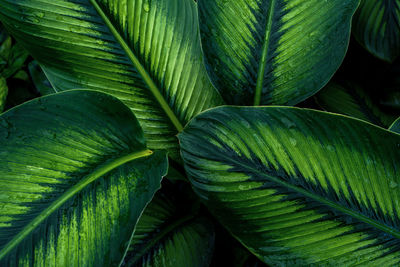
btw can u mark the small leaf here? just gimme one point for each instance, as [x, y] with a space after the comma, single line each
[376, 25]
[299, 187]
[75, 175]
[273, 52]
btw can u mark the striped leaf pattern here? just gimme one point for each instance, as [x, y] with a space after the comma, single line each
[273, 51]
[395, 127]
[75, 175]
[376, 25]
[145, 52]
[299, 187]
[165, 236]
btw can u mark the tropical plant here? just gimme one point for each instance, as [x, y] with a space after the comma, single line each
[133, 91]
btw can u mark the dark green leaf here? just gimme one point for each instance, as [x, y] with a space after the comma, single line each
[166, 236]
[395, 127]
[40, 80]
[299, 187]
[3, 92]
[75, 175]
[145, 52]
[376, 25]
[350, 99]
[273, 52]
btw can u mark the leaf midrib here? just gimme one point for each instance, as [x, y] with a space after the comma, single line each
[75, 189]
[140, 68]
[324, 201]
[264, 55]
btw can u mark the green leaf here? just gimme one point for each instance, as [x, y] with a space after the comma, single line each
[299, 187]
[395, 127]
[376, 26]
[350, 99]
[167, 235]
[75, 175]
[39, 79]
[145, 52]
[273, 52]
[3, 93]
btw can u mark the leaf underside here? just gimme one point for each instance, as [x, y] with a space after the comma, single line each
[376, 25]
[273, 52]
[299, 187]
[75, 176]
[146, 53]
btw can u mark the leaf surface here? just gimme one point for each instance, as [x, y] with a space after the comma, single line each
[3, 92]
[299, 187]
[376, 25]
[145, 52]
[75, 175]
[352, 100]
[168, 235]
[395, 127]
[272, 51]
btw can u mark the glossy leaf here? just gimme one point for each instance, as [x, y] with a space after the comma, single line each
[75, 175]
[299, 187]
[166, 236]
[395, 127]
[146, 53]
[376, 25]
[40, 80]
[350, 99]
[273, 52]
[3, 93]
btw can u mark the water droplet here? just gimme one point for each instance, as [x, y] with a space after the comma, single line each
[288, 123]
[393, 184]
[293, 141]
[146, 5]
[40, 14]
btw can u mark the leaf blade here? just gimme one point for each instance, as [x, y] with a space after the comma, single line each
[285, 184]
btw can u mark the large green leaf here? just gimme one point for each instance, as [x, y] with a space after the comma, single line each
[299, 187]
[273, 52]
[376, 26]
[3, 92]
[167, 234]
[75, 175]
[350, 99]
[395, 127]
[146, 53]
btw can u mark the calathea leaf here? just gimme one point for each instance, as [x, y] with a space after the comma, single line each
[75, 175]
[3, 92]
[273, 52]
[145, 52]
[299, 187]
[168, 234]
[350, 99]
[395, 127]
[376, 25]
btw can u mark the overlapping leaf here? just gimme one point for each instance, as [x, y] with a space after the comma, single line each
[299, 187]
[395, 127]
[376, 26]
[3, 93]
[145, 52]
[75, 175]
[273, 52]
[350, 99]
[166, 236]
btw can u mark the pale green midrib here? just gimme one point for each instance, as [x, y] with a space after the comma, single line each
[264, 55]
[142, 71]
[324, 201]
[170, 228]
[75, 189]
